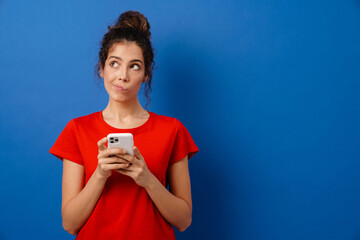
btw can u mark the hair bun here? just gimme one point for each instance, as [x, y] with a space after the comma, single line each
[134, 20]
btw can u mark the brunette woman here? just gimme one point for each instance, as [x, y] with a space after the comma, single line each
[107, 193]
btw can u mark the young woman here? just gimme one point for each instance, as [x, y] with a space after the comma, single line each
[107, 193]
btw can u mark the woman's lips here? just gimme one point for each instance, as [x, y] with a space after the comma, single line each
[119, 88]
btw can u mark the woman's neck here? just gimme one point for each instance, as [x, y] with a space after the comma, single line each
[120, 110]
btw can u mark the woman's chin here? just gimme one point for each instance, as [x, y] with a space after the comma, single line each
[120, 99]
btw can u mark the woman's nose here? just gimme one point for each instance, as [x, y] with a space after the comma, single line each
[123, 75]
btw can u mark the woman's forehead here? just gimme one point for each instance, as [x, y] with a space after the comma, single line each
[126, 51]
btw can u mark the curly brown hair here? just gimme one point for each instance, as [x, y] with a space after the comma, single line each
[131, 26]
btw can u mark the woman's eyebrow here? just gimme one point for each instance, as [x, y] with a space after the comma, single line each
[136, 60]
[119, 58]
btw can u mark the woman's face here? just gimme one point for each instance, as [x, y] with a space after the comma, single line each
[123, 71]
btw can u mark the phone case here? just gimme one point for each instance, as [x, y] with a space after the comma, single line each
[121, 140]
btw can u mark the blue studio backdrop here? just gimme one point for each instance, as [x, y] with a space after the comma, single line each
[269, 90]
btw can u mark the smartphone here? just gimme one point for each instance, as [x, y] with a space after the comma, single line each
[121, 140]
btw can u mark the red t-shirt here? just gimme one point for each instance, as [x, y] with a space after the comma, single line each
[125, 210]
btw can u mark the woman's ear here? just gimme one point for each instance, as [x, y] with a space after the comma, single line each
[145, 78]
[101, 72]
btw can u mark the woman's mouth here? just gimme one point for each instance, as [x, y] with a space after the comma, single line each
[119, 88]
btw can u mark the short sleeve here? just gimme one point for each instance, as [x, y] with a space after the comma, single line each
[66, 145]
[184, 145]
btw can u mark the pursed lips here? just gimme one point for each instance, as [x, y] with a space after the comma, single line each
[118, 87]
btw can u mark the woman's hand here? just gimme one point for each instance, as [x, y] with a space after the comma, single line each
[108, 159]
[137, 169]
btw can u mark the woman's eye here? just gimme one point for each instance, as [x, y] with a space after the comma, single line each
[114, 64]
[135, 67]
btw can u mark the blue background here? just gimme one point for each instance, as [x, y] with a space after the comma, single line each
[269, 90]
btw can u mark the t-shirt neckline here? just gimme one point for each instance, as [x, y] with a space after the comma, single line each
[131, 130]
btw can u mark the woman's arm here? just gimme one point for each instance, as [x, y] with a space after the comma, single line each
[175, 206]
[78, 202]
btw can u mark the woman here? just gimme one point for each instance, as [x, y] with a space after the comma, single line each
[107, 193]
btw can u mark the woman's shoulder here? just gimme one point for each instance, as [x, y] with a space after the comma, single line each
[166, 120]
[85, 119]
